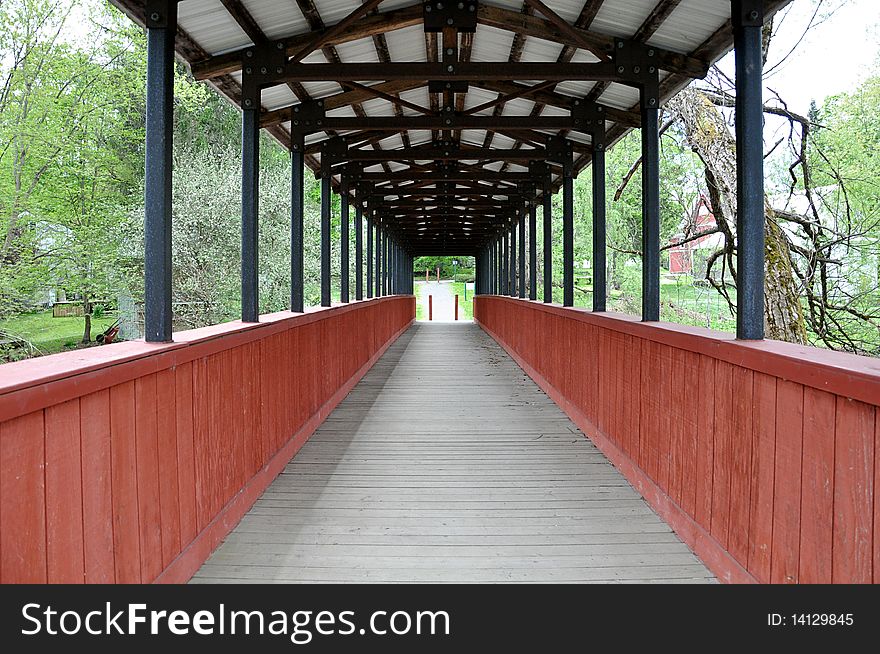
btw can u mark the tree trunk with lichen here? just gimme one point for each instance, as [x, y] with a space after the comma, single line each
[709, 136]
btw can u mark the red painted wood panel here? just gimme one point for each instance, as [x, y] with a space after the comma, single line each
[817, 487]
[97, 491]
[787, 483]
[126, 531]
[169, 478]
[742, 443]
[64, 502]
[782, 475]
[663, 446]
[723, 455]
[649, 458]
[705, 441]
[118, 482]
[853, 493]
[763, 474]
[147, 457]
[201, 441]
[22, 493]
[690, 385]
[876, 546]
[186, 480]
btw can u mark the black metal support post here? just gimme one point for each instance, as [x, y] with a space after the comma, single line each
[378, 262]
[358, 252]
[522, 256]
[650, 209]
[599, 264]
[343, 246]
[297, 197]
[548, 245]
[748, 18]
[505, 266]
[250, 212]
[392, 267]
[511, 291]
[161, 28]
[533, 251]
[325, 240]
[567, 240]
[384, 262]
[369, 235]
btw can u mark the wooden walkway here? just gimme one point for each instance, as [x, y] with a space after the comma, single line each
[446, 463]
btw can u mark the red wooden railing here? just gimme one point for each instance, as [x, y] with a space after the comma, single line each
[130, 462]
[762, 456]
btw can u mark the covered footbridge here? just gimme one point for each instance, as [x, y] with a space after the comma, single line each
[347, 443]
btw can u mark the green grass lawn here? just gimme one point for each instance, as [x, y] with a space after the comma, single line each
[465, 309]
[49, 334]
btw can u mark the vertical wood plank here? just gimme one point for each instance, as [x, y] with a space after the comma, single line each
[169, 479]
[876, 503]
[723, 458]
[817, 487]
[763, 472]
[64, 508]
[853, 493]
[690, 430]
[741, 465]
[97, 498]
[787, 483]
[186, 474]
[201, 444]
[126, 535]
[22, 490]
[705, 441]
[147, 448]
[664, 445]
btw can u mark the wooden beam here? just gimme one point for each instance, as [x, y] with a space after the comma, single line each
[513, 21]
[358, 94]
[327, 36]
[502, 99]
[445, 154]
[395, 124]
[462, 71]
[378, 93]
[382, 22]
[569, 30]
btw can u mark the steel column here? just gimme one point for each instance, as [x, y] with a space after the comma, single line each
[358, 252]
[369, 235]
[533, 251]
[511, 289]
[325, 240]
[505, 266]
[250, 212]
[522, 256]
[748, 18]
[343, 243]
[161, 29]
[378, 262]
[548, 246]
[384, 262]
[599, 263]
[650, 211]
[297, 196]
[567, 241]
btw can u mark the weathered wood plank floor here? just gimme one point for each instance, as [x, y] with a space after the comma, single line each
[446, 463]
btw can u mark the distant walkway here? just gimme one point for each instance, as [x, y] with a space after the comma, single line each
[444, 301]
[446, 463]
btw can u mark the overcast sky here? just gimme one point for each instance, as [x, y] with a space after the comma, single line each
[835, 55]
